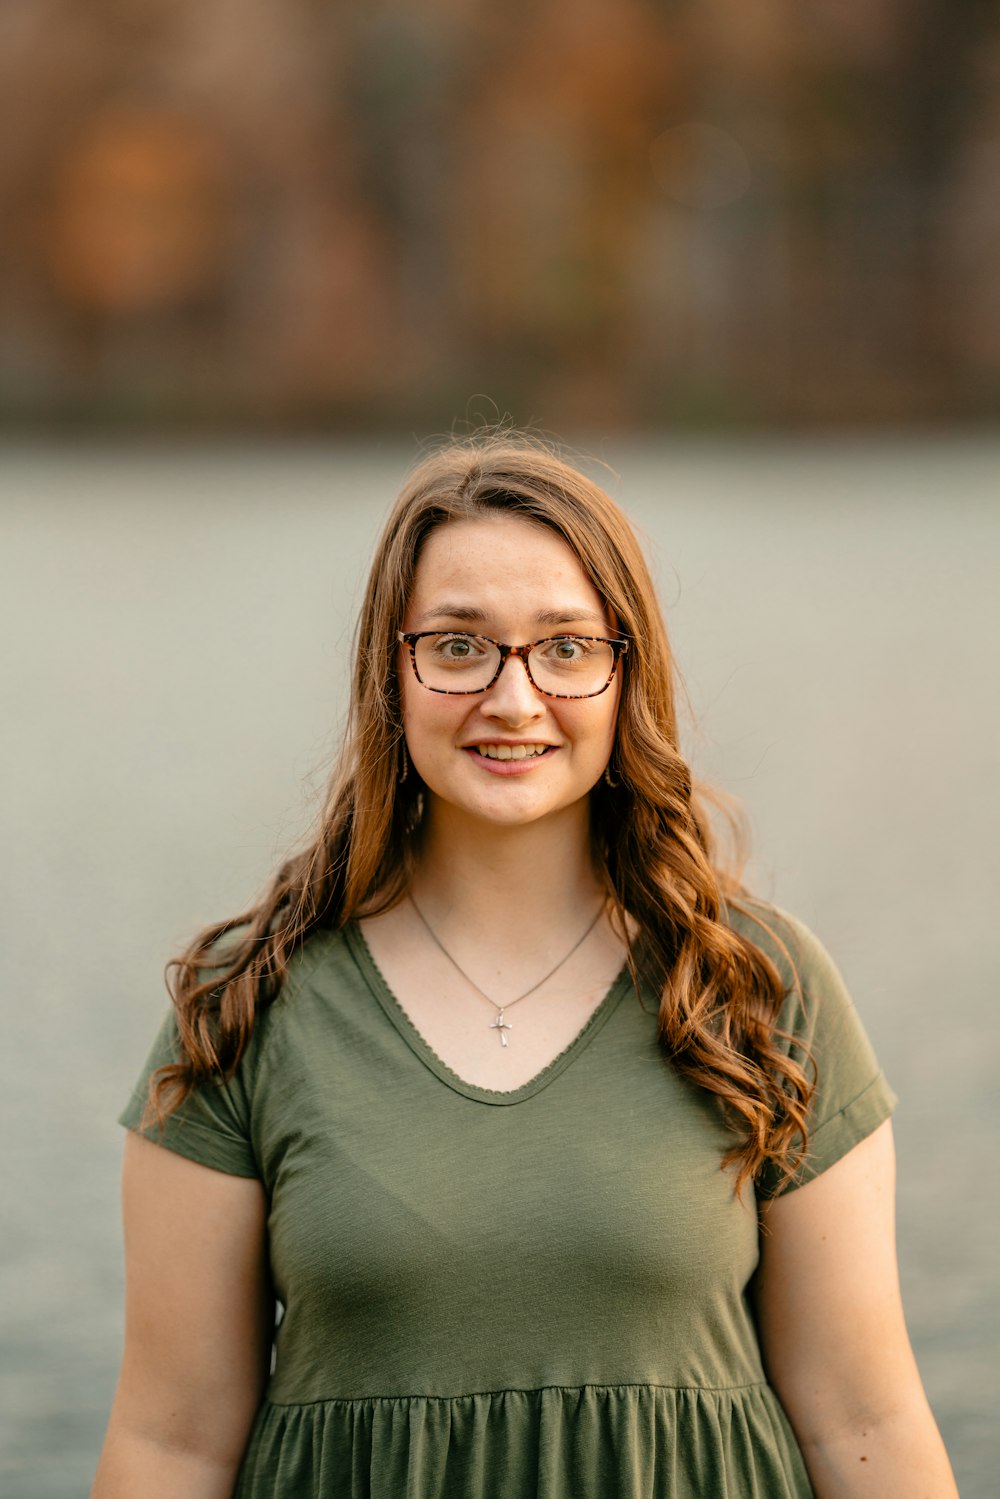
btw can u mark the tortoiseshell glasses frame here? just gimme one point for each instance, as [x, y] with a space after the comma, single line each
[409, 638]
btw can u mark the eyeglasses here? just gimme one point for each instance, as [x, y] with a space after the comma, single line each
[451, 662]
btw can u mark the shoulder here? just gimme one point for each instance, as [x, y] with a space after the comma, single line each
[797, 952]
[321, 982]
[215, 1123]
[322, 968]
[817, 1011]
[319, 965]
[820, 1026]
[322, 961]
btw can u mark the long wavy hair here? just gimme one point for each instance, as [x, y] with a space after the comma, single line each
[720, 993]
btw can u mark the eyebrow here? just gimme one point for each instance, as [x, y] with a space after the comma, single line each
[471, 615]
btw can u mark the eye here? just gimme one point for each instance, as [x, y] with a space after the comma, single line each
[568, 649]
[455, 647]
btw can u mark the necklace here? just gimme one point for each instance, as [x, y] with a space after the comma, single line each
[500, 1025]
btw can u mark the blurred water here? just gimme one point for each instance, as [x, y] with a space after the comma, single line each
[177, 626]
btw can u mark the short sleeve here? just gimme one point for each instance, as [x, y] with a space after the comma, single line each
[213, 1126]
[852, 1097]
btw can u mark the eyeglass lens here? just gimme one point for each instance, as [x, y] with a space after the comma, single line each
[570, 665]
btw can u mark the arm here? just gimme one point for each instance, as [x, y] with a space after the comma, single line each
[834, 1340]
[199, 1316]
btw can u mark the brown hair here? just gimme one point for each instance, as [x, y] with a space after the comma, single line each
[720, 992]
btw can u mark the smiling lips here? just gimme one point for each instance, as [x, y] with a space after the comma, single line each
[509, 759]
[511, 751]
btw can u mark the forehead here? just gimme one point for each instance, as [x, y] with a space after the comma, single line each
[501, 567]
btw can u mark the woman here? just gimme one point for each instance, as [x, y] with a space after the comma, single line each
[567, 1161]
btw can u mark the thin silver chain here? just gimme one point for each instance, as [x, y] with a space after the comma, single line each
[500, 1025]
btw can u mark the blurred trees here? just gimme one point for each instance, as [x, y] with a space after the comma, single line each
[281, 214]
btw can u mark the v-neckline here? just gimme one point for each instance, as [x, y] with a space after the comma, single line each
[362, 954]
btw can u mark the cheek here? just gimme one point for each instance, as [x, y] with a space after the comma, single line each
[614, 696]
[406, 685]
[606, 726]
[591, 728]
[414, 711]
[610, 725]
[429, 715]
[608, 705]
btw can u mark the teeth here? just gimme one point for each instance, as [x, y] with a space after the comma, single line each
[511, 751]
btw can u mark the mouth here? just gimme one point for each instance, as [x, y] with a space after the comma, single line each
[509, 759]
[502, 751]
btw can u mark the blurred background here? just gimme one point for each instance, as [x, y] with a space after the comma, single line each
[289, 216]
[747, 259]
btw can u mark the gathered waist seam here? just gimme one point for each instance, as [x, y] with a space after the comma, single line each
[681, 1389]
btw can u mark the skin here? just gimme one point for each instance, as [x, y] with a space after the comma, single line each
[510, 576]
[198, 1317]
[502, 853]
[505, 854]
[834, 1339]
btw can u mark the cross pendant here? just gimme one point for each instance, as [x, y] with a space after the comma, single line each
[501, 1026]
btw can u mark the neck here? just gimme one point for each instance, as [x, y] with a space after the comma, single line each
[532, 879]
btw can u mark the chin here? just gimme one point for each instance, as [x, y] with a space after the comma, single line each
[506, 815]
[520, 813]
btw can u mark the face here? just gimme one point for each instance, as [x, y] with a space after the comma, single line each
[516, 582]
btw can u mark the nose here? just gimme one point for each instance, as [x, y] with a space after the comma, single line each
[512, 698]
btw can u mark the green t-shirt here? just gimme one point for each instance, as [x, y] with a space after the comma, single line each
[493, 1295]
